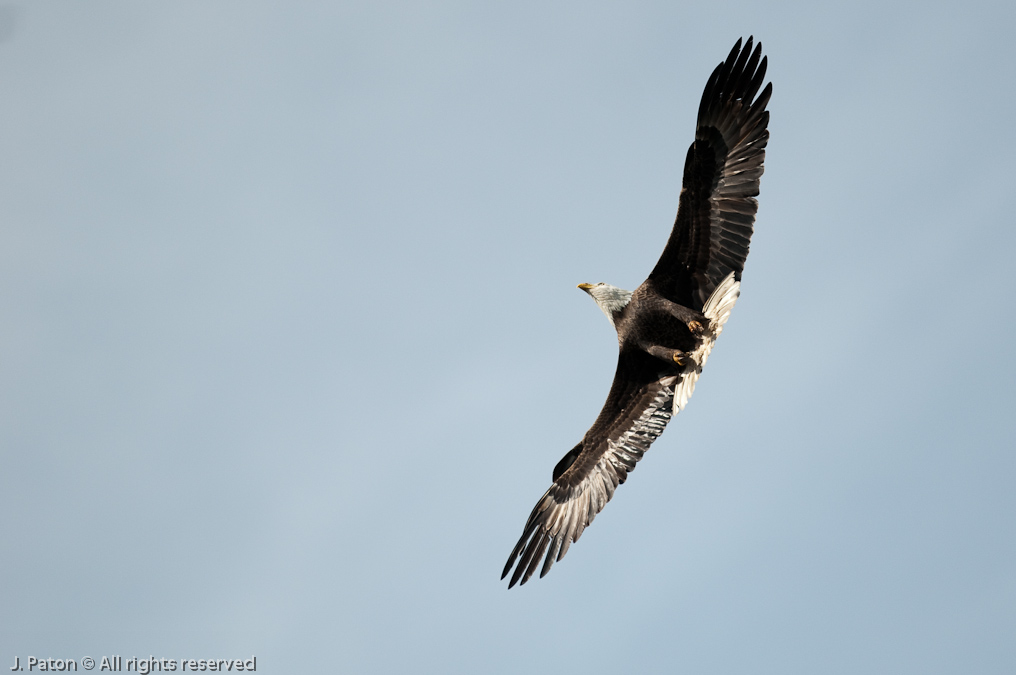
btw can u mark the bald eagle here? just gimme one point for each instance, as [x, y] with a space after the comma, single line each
[667, 327]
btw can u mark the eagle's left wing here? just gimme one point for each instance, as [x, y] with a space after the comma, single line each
[717, 208]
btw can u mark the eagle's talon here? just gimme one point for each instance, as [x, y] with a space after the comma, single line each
[679, 358]
[695, 326]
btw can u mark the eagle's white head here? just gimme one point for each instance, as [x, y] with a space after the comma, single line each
[611, 299]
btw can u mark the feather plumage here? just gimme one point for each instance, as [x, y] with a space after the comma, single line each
[668, 326]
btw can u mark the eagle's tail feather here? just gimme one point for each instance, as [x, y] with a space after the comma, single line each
[718, 306]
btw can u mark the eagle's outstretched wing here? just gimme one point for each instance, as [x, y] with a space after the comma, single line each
[721, 179]
[637, 410]
[645, 394]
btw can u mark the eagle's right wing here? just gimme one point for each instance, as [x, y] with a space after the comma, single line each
[637, 410]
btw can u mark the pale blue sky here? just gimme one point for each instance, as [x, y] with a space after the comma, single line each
[290, 341]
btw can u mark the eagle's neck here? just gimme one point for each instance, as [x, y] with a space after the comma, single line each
[611, 299]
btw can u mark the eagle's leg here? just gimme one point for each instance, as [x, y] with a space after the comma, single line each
[698, 325]
[669, 355]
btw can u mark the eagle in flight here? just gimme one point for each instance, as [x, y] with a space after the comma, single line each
[667, 327]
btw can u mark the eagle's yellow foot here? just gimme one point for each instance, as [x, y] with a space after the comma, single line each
[695, 326]
[679, 358]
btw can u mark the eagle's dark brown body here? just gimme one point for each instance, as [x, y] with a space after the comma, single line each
[667, 327]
